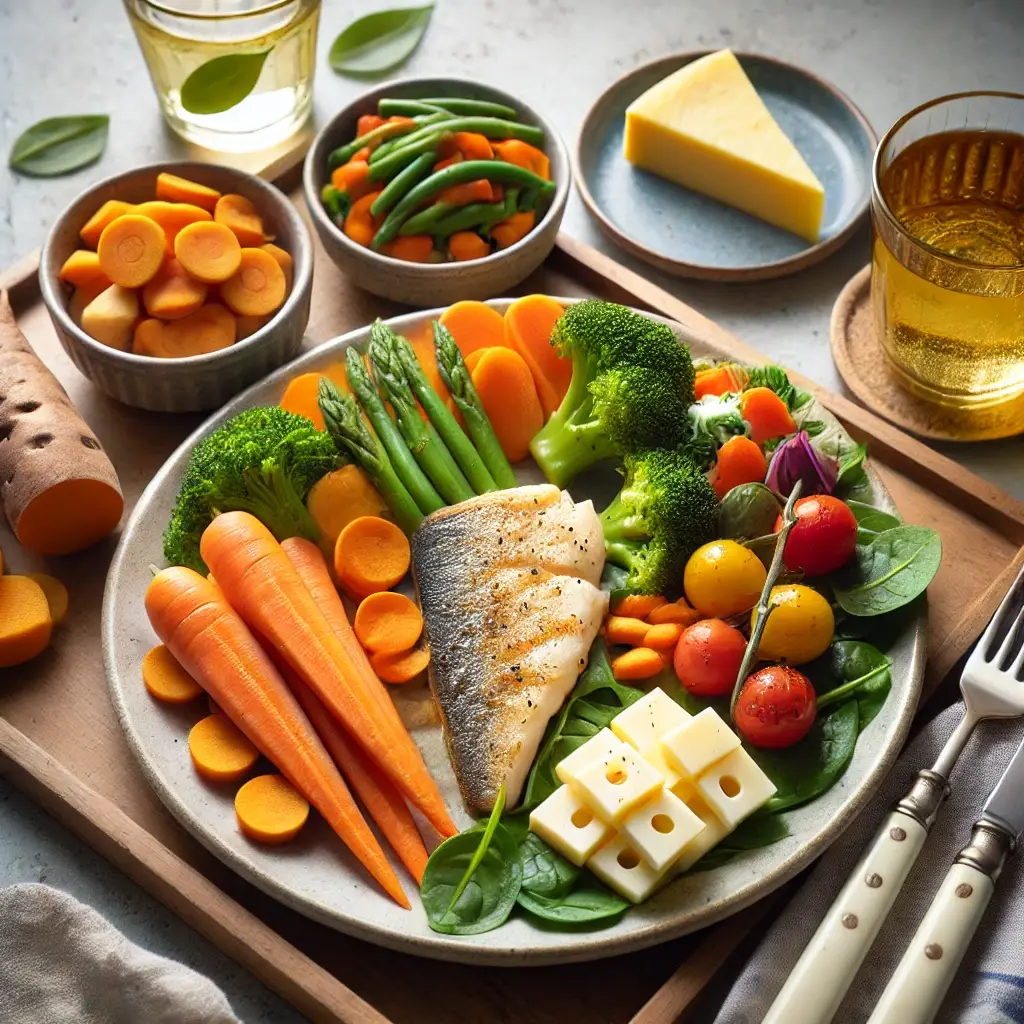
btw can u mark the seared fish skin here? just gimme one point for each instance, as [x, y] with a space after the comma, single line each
[510, 608]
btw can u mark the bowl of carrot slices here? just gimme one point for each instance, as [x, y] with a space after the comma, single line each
[430, 190]
[174, 286]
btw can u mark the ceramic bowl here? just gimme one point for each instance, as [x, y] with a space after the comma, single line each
[195, 382]
[432, 284]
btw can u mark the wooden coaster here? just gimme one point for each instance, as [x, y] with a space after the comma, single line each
[865, 369]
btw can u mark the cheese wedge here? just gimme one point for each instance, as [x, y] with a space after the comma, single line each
[706, 128]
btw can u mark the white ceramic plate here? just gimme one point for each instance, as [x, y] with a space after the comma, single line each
[316, 876]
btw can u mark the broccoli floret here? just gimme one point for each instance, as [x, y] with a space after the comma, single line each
[262, 461]
[632, 381]
[664, 512]
[711, 422]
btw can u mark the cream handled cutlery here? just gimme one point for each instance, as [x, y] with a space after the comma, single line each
[916, 990]
[828, 965]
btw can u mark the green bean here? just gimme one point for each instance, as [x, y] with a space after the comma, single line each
[336, 202]
[456, 174]
[395, 107]
[381, 133]
[423, 222]
[390, 145]
[459, 105]
[490, 127]
[401, 183]
[476, 215]
[528, 200]
[399, 158]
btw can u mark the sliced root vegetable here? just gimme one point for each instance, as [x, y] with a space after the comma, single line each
[479, 191]
[246, 325]
[474, 325]
[663, 637]
[209, 329]
[411, 248]
[59, 490]
[473, 145]
[148, 339]
[528, 325]
[93, 228]
[360, 223]
[402, 666]
[82, 269]
[353, 178]
[509, 397]
[1, 562]
[623, 629]
[513, 229]
[637, 664]
[366, 123]
[284, 261]
[25, 623]
[423, 345]
[767, 414]
[302, 394]
[181, 190]
[270, 810]
[388, 622]
[56, 594]
[371, 555]
[173, 293]
[674, 611]
[240, 215]
[220, 751]
[257, 287]
[720, 380]
[131, 250]
[110, 317]
[467, 245]
[740, 461]
[522, 154]
[83, 295]
[338, 498]
[172, 217]
[639, 606]
[208, 251]
[166, 680]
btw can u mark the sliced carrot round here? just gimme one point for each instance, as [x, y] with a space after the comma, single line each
[166, 679]
[181, 190]
[240, 215]
[220, 751]
[208, 251]
[401, 667]
[388, 622]
[270, 809]
[258, 287]
[370, 555]
[55, 592]
[131, 249]
[209, 329]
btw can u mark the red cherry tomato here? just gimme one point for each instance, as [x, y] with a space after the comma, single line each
[777, 707]
[823, 537]
[708, 657]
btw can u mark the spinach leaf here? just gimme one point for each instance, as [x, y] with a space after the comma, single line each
[871, 521]
[545, 873]
[591, 706]
[222, 83]
[379, 42]
[59, 145]
[812, 766]
[586, 903]
[757, 831]
[748, 511]
[471, 881]
[890, 571]
[852, 669]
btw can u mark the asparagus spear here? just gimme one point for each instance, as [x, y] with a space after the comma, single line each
[420, 436]
[414, 479]
[452, 368]
[353, 437]
[444, 422]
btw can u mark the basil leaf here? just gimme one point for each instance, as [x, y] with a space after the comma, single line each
[59, 145]
[222, 83]
[852, 669]
[585, 904]
[379, 42]
[871, 521]
[748, 511]
[545, 873]
[890, 571]
[757, 831]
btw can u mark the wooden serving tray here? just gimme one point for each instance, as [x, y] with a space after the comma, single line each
[60, 740]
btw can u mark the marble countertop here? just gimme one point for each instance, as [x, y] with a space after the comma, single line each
[79, 56]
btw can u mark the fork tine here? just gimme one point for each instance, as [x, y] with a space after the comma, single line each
[994, 629]
[1006, 648]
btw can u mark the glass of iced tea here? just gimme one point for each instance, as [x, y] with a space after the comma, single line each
[271, 45]
[948, 257]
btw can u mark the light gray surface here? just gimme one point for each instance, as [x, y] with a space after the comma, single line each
[79, 56]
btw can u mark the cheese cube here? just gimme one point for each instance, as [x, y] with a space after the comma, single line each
[661, 828]
[697, 744]
[614, 786]
[565, 823]
[735, 787]
[714, 831]
[597, 748]
[644, 723]
[620, 866]
[684, 787]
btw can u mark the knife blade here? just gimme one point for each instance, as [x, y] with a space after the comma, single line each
[1005, 804]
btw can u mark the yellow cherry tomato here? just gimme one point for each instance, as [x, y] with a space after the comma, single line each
[723, 578]
[799, 627]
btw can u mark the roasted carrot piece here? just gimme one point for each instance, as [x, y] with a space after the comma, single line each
[767, 414]
[174, 189]
[258, 580]
[623, 629]
[474, 325]
[208, 251]
[353, 178]
[213, 644]
[719, 380]
[82, 268]
[639, 663]
[515, 151]
[93, 227]
[270, 810]
[479, 191]
[675, 611]
[400, 666]
[241, 216]
[528, 325]
[220, 751]
[131, 250]
[638, 606]
[372, 554]
[360, 224]
[165, 679]
[388, 622]
[467, 245]
[512, 229]
[366, 123]
[509, 398]
[740, 461]
[664, 636]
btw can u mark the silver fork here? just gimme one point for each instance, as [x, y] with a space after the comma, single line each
[826, 968]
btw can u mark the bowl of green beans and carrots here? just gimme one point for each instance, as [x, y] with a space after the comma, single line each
[430, 190]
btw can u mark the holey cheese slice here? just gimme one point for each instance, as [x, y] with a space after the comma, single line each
[706, 128]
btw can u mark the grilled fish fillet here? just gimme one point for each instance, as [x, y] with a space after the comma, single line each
[508, 582]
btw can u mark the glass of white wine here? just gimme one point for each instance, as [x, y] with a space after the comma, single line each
[233, 75]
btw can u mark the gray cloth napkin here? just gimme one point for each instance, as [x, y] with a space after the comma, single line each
[62, 963]
[989, 988]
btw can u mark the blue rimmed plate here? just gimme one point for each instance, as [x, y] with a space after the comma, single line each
[691, 235]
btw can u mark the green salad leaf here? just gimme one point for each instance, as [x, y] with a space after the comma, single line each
[545, 873]
[222, 83]
[852, 669]
[748, 511]
[757, 831]
[59, 145]
[871, 521]
[379, 42]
